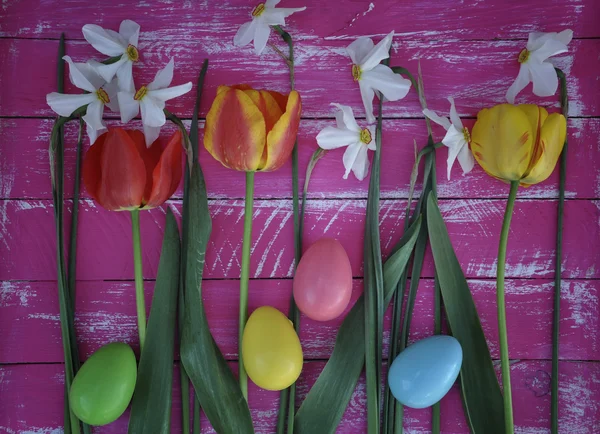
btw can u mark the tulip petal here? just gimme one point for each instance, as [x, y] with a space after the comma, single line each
[279, 97]
[267, 105]
[545, 80]
[552, 139]
[106, 42]
[167, 173]
[359, 49]
[502, 141]
[522, 80]
[536, 116]
[113, 171]
[150, 156]
[281, 139]
[235, 131]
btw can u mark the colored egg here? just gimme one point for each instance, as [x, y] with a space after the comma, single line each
[424, 372]
[103, 387]
[323, 280]
[271, 349]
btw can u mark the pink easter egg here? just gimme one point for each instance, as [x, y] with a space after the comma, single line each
[323, 280]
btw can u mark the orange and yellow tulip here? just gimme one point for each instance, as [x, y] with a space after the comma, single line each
[518, 142]
[252, 130]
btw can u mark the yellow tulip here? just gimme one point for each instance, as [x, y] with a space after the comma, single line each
[518, 142]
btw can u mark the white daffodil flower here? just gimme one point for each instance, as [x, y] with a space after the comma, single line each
[115, 44]
[348, 133]
[372, 76]
[151, 100]
[457, 138]
[534, 67]
[83, 76]
[263, 16]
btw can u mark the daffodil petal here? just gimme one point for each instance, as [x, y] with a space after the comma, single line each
[545, 80]
[359, 49]
[281, 139]
[502, 141]
[367, 94]
[234, 118]
[93, 133]
[130, 30]
[454, 140]
[454, 117]
[440, 120]
[103, 41]
[261, 36]
[522, 80]
[350, 155]
[537, 39]
[112, 90]
[276, 17]
[551, 47]
[80, 75]
[125, 76]
[272, 3]
[152, 112]
[93, 115]
[380, 52]
[465, 159]
[129, 106]
[333, 138]
[373, 145]
[552, 139]
[151, 134]
[245, 34]
[64, 104]
[164, 77]
[108, 72]
[170, 92]
[360, 168]
[383, 79]
[345, 118]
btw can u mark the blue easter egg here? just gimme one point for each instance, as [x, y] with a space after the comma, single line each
[424, 372]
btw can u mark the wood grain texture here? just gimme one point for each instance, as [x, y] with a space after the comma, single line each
[36, 405]
[27, 239]
[106, 313]
[467, 49]
[25, 173]
[485, 70]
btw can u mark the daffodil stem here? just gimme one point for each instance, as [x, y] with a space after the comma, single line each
[504, 360]
[564, 104]
[245, 276]
[140, 302]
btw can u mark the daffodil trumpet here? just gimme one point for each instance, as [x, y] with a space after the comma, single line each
[521, 145]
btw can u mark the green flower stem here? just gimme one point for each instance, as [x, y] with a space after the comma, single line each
[139, 277]
[245, 276]
[508, 412]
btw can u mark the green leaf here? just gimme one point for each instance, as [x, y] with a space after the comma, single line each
[326, 402]
[215, 385]
[151, 404]
[480, 390]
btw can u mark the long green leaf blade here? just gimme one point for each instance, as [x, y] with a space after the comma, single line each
[480, 390]
[326, 402]
[151, 404]
[215, 385]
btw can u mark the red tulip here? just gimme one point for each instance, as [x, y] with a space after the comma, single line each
[121, 173]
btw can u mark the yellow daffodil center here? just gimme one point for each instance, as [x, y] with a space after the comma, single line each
[141, 93]
[258, 10]
[467, 135]
[356, 72]
[102, 96]
[523, 55]
[132, 53]
[365, 136]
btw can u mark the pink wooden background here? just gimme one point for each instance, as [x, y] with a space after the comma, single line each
[467, 50]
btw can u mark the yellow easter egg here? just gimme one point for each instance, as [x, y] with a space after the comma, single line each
[271, 350]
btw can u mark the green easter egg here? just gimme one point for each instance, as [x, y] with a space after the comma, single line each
[103, 387]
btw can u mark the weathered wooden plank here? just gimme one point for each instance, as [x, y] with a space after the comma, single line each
[32, 401]
[24, 168]
[477, 73]
[29, 320]
[340, 20]
[28, 250]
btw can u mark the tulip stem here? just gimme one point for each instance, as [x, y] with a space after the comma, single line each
[504, 360]
[139, 278]
[245, 276]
